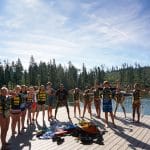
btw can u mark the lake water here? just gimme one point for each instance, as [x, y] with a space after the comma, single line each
[145, 105]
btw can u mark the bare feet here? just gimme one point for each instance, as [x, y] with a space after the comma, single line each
[106, 125]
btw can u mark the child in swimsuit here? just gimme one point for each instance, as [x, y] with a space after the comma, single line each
[76, 98]
[136, 102]
[119, 98]
[87, 102]
[16, 109]
[41, 99]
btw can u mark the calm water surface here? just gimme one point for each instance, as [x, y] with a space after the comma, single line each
[145, 105]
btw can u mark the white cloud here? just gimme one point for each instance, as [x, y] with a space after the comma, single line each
[81, 31]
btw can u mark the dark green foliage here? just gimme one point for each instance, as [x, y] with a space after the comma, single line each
[70, 76]
[1, 75]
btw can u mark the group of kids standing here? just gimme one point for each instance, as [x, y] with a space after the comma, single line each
[30, 100]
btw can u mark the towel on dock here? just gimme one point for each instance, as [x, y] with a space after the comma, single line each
[56, 128]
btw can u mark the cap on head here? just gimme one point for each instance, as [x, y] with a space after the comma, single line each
[18, 87]
[31, 88]
[61, 85]
[49, 83]
[105, 83]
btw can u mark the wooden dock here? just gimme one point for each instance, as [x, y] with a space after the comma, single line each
[125, 136]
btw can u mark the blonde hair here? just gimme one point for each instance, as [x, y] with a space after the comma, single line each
[105, 82]
[4, 89]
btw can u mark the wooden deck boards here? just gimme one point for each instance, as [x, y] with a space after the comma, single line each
[126, 135]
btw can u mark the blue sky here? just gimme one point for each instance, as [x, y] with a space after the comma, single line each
[93, 32]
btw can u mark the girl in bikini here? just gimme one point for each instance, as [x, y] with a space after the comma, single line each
[87, 102]
[136, 102]
[76, 98]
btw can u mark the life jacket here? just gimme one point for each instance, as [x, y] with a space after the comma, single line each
[4, 105]
[30, 98]
[42, 96]
[16, 102]
[88, 127]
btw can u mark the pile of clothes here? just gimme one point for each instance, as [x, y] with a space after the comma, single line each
[56, 131]
[86, 132]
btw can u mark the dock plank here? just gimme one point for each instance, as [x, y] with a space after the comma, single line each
[126, 135]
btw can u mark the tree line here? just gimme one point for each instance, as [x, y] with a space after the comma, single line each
[13, 73]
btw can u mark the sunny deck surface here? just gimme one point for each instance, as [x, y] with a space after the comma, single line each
[126, 135]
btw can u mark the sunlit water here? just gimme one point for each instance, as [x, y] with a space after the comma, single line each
[145, 105]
